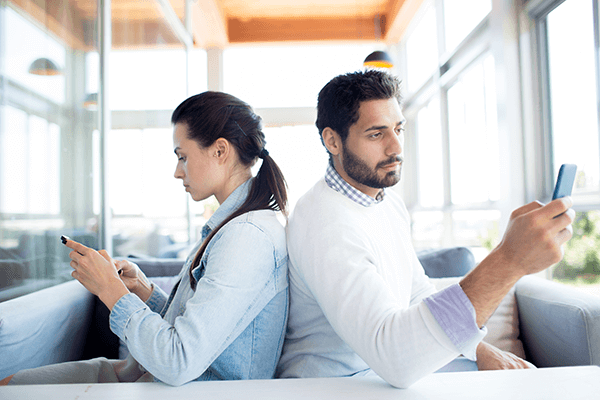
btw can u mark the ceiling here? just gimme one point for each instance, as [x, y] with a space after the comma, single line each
[221, 23]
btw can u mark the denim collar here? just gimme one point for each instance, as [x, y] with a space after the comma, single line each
[232, 203]
[335, 181]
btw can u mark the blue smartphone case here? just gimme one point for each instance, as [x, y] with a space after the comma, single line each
[565, 181]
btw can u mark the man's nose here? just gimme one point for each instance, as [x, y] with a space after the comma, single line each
[395, 145]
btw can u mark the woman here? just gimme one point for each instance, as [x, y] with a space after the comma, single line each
[226, 316]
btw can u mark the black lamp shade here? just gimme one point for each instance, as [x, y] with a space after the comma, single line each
[44, 66]
[378, 59]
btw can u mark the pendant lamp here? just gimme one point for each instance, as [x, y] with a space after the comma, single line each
[378, 59]
[91, 101]
[44, 66]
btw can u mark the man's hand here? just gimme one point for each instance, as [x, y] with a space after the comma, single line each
[535, 235]
[491, 358]
[532, 242]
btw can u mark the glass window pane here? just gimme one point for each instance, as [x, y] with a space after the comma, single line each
[287, 76]
[13, 163]
[198, 77]
[300, 155]
[580, 266]
[26, 43]
[461, 17]
[147, 79]
[573, 98]
[427, 229]
[430, 156]
[422, 51]
[147, 202]
[473, 130]
[477, 229]
[46, 174]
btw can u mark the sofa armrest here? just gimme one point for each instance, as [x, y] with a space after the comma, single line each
[560, 326]
[44, 327]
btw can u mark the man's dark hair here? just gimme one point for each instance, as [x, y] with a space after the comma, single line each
[339, 100]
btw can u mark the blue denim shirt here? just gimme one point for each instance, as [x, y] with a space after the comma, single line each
[233, 325]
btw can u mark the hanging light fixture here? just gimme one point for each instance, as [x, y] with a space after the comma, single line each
[91, 101]
[378, 59]
[44, 66]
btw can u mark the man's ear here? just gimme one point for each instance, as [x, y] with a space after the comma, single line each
[332, 141]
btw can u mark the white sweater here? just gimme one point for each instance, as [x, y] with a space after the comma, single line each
[356, 291]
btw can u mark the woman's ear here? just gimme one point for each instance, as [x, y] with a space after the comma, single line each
[221, 150]
[332, 141]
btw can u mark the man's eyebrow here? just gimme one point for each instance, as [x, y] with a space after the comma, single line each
[380, 127]
[176, 150]
[376, 128]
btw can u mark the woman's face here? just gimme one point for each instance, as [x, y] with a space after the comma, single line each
[196, 166]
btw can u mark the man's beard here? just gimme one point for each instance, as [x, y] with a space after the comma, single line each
[358, 170]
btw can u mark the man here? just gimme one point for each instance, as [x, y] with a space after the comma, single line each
[359, 299]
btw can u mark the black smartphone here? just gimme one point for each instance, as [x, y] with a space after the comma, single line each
[565, 181]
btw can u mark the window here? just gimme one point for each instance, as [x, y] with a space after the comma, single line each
[287, 76]
[573, 85]
[461, 17]
[451, 109]
[422, 50]
[46, 175]
[148, 205]
[300, 155]
[430, 155]
[567, 35]
[472, 126]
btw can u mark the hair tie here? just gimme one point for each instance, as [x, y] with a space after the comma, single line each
[238, 125]
[263, 153]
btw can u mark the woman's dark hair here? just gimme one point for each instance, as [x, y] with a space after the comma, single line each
[209, 116]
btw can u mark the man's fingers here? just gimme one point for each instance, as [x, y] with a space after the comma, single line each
[563, 222]
[534, 205]
[557, 207]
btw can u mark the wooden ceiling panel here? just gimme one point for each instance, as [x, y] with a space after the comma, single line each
[217, 23]
[302, 9]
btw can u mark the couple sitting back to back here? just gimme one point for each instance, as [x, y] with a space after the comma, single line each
[359, 300]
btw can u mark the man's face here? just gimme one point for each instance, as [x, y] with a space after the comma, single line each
[371, 156]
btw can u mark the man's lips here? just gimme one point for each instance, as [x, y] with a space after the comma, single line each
[391, 166]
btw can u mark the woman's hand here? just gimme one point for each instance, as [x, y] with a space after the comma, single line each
[135, 280]
[97, 273]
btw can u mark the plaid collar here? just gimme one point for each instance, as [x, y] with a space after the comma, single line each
[337, 183]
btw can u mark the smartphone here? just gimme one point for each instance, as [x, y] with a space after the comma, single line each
[565, 181]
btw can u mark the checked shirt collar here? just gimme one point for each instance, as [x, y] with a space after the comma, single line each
[337, 183]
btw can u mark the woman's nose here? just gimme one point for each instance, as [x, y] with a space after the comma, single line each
[178, 172]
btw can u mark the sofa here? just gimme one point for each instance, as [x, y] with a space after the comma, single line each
[557, 325]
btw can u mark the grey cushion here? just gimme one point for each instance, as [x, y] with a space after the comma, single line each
[560, 326]
[446, 263]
